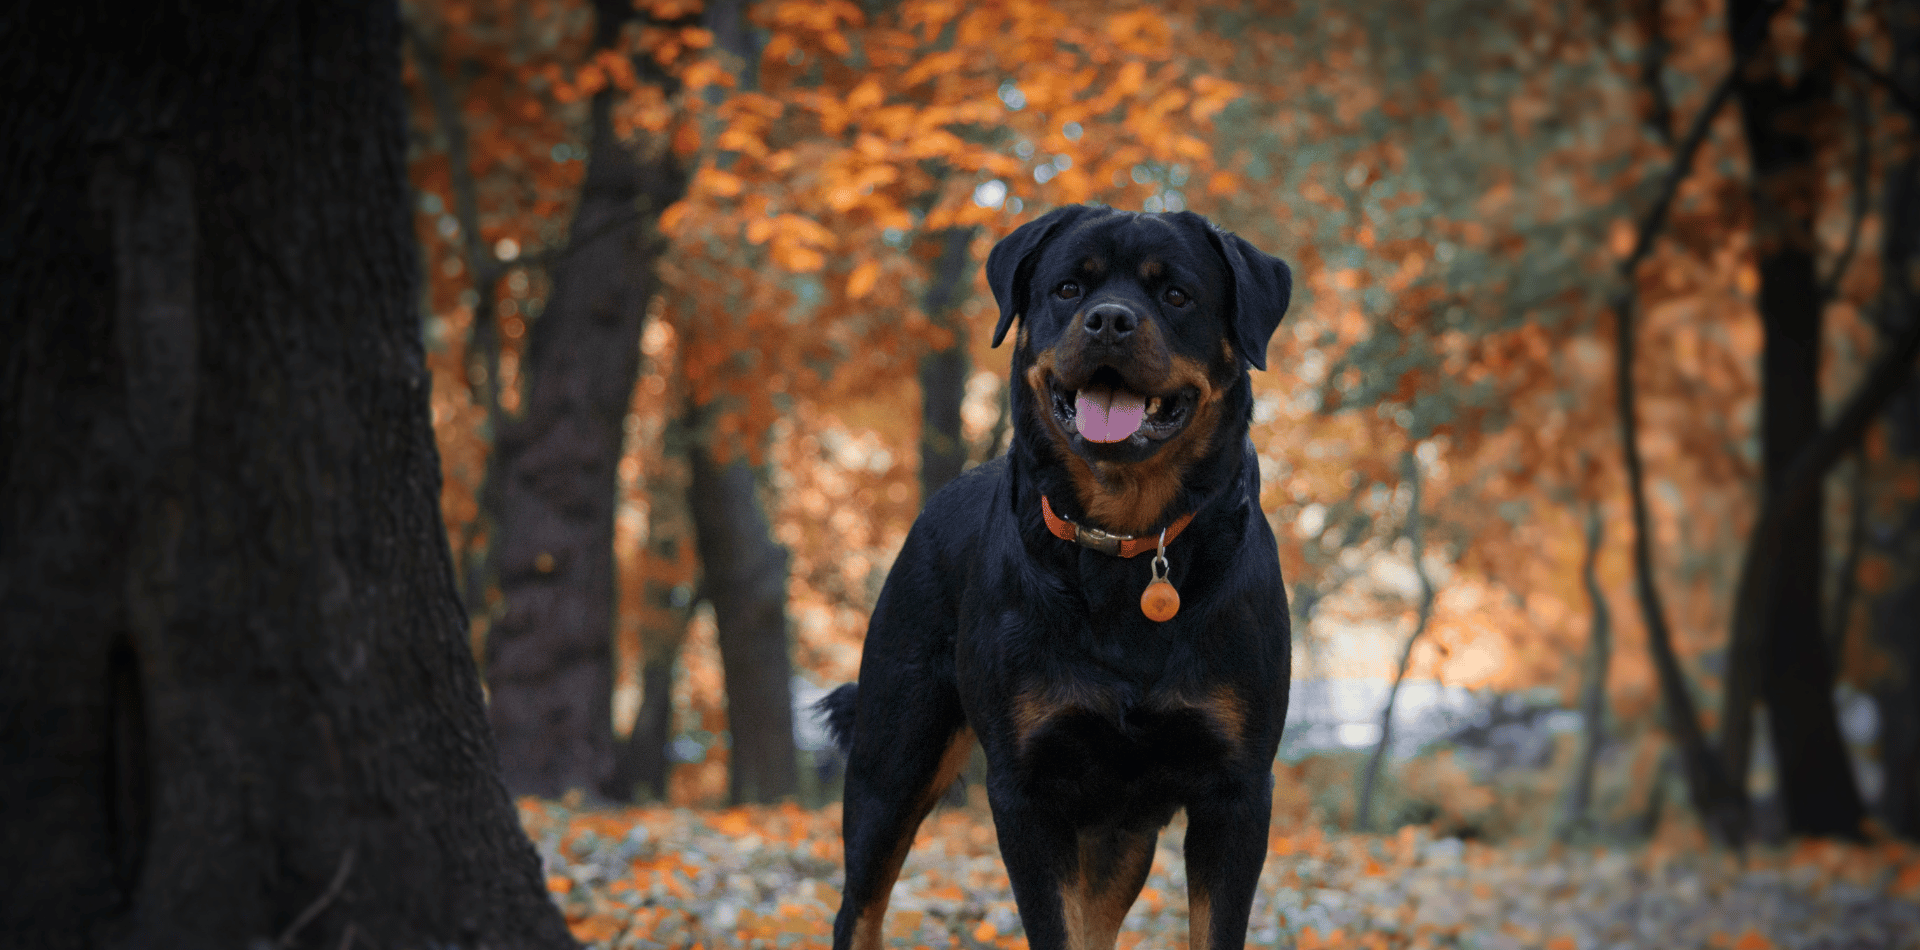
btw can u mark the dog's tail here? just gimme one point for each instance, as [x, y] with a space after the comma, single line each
[836, 708]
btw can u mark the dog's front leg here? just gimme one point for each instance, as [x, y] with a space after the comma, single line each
[1073, 884]
[1226, 846]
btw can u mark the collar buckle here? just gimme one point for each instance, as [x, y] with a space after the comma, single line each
[1097, 539]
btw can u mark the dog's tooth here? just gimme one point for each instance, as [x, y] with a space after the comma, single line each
[1153, 405]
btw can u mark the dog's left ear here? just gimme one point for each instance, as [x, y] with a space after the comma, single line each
[1261, 287]
[1010, 263]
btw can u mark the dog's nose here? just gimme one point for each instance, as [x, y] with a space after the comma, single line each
[1110, 322]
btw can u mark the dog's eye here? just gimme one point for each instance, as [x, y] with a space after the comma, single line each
[1067, 291]
[1175, 296]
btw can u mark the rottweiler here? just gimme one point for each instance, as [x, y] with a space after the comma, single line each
[1101, 608]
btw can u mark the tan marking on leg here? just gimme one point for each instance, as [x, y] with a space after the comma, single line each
[1104, 885]
[1034, 708]
[1031, 710]
[1228, 712]
[1199, 918]
[959, 749]
[1222, 707]
[868, 929]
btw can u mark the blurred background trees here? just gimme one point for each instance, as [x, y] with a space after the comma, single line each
[718, 473]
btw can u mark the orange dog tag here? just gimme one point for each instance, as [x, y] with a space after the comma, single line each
[1160, 601]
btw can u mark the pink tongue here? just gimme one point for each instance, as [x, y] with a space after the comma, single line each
[1108, 415]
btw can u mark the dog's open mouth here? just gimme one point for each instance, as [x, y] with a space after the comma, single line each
[1105, 411]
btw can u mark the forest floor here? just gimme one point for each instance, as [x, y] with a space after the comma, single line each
[766, 877]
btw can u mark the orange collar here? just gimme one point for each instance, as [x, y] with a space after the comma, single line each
[1118, 545]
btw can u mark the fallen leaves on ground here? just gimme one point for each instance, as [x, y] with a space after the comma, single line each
[768, 877]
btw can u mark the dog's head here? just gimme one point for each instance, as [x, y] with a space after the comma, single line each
[1131, 361]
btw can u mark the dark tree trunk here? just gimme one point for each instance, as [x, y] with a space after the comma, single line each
[745, 578]
[237, 705]
[943, 372]
[641, 764]
[1895, 629]
[1783, 118]
[743, 569]
[550, 656]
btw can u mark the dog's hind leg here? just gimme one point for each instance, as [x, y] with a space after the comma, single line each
[909, 744]
[1226, 846]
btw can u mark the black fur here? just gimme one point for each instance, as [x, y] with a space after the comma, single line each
[836, 710]
[1098, 723]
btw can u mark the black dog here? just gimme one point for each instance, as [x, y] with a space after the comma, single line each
[1015, 614]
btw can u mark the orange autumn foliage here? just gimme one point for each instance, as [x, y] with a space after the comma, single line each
[1453, 205]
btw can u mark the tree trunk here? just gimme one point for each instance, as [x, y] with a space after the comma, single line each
[551, 654]
[237, 705]
[943, 372]
[743, 569]
[744, 575]
[1720, 802]
[642, 765]
[483, 337]
[1363, 807]
[1593, 690]
[1781, 116]
[1898, 539]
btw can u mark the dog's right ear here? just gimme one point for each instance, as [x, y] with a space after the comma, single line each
[1010, 264]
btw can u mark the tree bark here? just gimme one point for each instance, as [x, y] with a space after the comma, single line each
[237, 705]
[551, 654]
[1782, 119]
[944, 372]
[1593, 689]
[744, 576]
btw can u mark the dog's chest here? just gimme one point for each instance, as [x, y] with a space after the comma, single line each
[1078, 720]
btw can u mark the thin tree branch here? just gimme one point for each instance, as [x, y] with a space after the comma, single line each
[482, 340]
[1849, 579]
[1861, 170]
[1656, 217]
[1653, 60]
[1363, 809]
[1593, 688]
[1900, 97]
[1720, 803]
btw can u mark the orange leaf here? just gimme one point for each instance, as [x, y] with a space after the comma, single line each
[716, 182]
[596, 929]
[860, 282]
[1752, 940]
